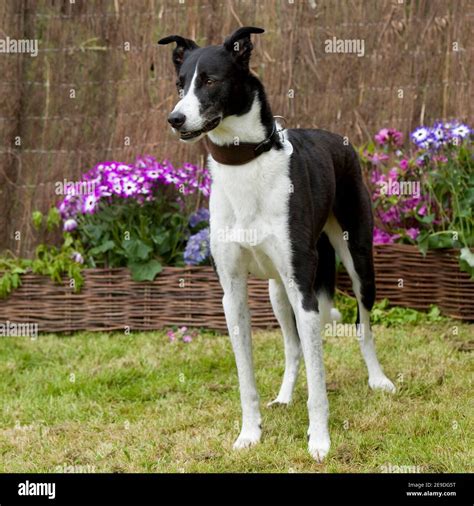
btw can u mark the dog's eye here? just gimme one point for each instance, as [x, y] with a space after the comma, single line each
[209, 82]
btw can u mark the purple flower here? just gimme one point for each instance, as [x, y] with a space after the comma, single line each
[197, 249]
[413, 233]
[403, 164]
[390, 216]
[420, 135]
[77, 257]
[187, 338]
[69, 225]
[389, 135]
[461, 131]
[439, 132]
[393, 173]
[422, 210]
[199, 216]
[382, 136]
[378, 158]
[382, 237]
[90, 204]
[396, 137]
[129, 187]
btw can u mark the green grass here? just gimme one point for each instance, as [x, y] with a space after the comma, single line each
[117, 403]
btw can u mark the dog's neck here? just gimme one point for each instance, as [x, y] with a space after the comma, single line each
[254, 126]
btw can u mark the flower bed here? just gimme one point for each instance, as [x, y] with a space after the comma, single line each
[130, 230]
[192, 296]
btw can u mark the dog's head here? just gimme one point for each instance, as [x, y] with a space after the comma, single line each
[213, 82]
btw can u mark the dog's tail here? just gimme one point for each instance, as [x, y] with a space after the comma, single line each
[325, 280]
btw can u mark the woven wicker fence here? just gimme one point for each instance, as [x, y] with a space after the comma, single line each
[110, 300]
[409, 47]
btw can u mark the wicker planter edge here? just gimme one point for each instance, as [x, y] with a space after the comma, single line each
[192, 296]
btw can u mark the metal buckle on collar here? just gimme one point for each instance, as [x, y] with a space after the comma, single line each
[267, 144]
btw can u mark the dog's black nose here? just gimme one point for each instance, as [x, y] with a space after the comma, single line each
[176, 119]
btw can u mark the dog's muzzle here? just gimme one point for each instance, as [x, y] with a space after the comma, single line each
[210, 125]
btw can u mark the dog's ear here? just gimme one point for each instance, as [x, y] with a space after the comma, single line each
[182, 47]
[240, 45]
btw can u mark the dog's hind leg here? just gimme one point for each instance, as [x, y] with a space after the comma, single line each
[325, 282]
[354, 247]
[286, 318]
[363, 282]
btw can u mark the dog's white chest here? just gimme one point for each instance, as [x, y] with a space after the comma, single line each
[249, 207]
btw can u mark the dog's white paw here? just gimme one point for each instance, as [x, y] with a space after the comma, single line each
[318, 447]
[382, 383]
[248, 438]
[335, 315]
[279, 401]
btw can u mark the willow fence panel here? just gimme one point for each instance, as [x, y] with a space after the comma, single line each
[100, 87]
[192, 296]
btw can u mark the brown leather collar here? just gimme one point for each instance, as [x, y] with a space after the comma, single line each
[239, 154]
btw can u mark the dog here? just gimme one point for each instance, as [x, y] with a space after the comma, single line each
[283, 201]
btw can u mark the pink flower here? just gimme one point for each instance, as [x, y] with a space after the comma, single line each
[422, 210]
[393, 173]
[395, 136]
[378, 158]
[382, 237]
[377, 177]
[171, 336]
[440, 158]
[381, 137]
[403, 164]
[413, 233]
[390, 216]
[187, 338]
[387, 135]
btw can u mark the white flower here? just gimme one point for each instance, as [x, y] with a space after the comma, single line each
[420, 135]
[90, 203]
[461, 131]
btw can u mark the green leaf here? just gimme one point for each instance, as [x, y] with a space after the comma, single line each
[53, 218]
[136, 249]
[422, 241]
[37, 218]
[145, 271]
[102, 248]
[427, 219]
[68, 240]
[438, 241]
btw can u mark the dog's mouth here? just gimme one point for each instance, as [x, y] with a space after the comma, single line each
[210, 125]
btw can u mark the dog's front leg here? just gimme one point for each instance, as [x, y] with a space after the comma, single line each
[238, 322]
[309, 330]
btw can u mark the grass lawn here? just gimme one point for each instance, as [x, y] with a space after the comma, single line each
[117, 403]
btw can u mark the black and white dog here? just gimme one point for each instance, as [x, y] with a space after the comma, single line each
[282, 201]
